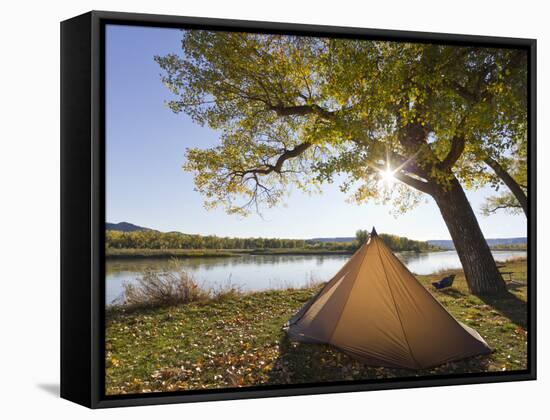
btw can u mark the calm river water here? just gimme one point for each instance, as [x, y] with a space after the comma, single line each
[260, 272]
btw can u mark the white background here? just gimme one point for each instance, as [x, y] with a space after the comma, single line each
[29, 207]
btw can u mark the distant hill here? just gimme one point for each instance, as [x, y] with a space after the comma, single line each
[447, 244]
[124, 227]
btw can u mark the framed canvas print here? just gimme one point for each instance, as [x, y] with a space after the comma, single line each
[255, 209]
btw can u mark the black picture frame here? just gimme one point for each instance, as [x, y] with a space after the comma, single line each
[83, 209]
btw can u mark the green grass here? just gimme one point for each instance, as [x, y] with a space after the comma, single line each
[237, 341]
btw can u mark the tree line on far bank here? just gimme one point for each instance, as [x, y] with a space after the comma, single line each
[175, 240]
[396, 243]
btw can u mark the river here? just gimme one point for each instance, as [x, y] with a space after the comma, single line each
[261, 272]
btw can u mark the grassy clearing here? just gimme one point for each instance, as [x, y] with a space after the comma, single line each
[237, 341]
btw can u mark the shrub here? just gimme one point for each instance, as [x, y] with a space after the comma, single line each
[163, 289]
[169, 288]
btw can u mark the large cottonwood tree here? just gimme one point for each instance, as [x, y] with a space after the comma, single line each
[302, 110]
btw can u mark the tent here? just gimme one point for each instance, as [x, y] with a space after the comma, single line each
[375, 310]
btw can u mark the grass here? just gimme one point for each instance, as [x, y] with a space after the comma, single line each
[237, 341]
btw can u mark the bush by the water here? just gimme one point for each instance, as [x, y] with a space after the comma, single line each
[171, 288]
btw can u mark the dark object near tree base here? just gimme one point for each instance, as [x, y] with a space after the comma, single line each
[444, 282]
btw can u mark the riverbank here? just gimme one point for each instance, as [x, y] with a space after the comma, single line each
[124, 253]
[237, 341]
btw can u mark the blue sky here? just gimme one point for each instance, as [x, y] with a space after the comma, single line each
[146, 185]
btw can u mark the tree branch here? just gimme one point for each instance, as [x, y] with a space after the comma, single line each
[415, 183]
[422, 186]
[494, 209]
[278, 166]
[465, 93]
[457, 148]
[284, 111]
[510, 182]
[408, 164]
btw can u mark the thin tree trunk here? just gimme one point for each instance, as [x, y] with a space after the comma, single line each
[510, 183]
[479, 266]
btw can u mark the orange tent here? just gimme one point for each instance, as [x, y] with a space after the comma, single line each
[375, 310]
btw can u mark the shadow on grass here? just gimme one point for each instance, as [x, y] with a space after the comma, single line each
[514, 285]
[304, 363]
[452, 293]
[312, 363]
[300, 363]
[510, 306]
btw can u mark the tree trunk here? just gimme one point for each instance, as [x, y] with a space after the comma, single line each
[479, 266]
[510, 182]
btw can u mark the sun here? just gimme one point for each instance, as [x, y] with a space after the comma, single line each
[387, 176]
